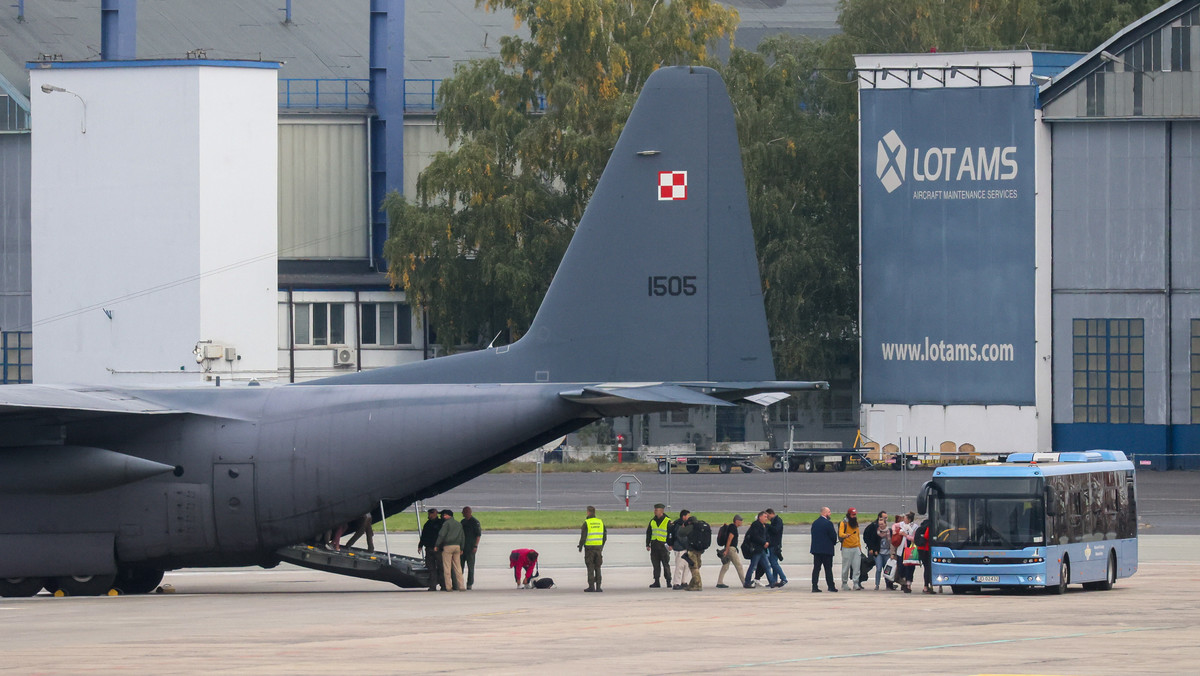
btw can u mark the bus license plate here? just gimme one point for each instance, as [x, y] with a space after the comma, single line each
[987, 578]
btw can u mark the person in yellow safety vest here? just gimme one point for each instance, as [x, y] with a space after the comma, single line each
[591, 542]
[656, 544]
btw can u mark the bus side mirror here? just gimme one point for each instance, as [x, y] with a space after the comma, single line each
[1051, 502]
[923, 497]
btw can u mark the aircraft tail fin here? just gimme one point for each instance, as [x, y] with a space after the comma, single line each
[660, 281]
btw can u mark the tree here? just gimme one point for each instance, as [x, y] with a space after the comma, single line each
[796, 114]
[531, 132]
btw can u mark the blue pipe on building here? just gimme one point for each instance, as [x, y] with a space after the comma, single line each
[387, 97]
[118, 30]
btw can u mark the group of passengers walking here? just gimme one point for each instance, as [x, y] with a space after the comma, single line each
[677, 547]
[893, 551]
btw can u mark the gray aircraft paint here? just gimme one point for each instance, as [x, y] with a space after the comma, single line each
[948, 258]
[257, 468]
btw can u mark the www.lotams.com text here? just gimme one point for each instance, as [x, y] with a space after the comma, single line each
[942, 351]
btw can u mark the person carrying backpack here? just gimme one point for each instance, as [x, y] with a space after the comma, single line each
[727, 550]
[699, 537]
[849, 537]
[922, 540]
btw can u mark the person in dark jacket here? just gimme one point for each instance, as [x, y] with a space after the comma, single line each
[878, 539]
[679, 545]
[757, 542]
[433, 560]
[824, 538]
[775, 550]
[473, 531]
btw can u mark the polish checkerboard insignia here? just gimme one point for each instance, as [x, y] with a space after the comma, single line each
[672, 185]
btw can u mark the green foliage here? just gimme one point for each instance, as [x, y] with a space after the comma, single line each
[796, 116]
[494, 215]
[1082, 25]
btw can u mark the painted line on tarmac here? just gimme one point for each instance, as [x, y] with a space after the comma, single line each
[895, 651]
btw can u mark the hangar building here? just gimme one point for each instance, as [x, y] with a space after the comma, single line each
[1029, 246]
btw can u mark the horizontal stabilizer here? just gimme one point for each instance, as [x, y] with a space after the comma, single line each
[75, 402]
[618, 400]
[733, 391]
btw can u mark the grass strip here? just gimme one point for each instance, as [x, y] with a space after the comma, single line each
[569, 519]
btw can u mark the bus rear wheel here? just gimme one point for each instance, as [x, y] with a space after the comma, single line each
[1110, 575]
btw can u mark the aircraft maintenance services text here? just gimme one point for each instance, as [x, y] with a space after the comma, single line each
[943, 351]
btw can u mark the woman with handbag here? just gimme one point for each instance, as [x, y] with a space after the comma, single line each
[907, 553]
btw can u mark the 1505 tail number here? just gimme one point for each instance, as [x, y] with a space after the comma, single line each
[664, 285]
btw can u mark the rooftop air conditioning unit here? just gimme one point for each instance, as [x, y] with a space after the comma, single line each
[343, 356]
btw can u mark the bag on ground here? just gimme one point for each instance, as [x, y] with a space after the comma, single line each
[889, 570]
[543, 583]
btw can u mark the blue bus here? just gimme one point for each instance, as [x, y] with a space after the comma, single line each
[1037, 520]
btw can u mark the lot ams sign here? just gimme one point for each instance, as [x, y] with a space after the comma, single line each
[942, 163]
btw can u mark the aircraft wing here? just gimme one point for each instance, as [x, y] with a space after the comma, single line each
[73, 402]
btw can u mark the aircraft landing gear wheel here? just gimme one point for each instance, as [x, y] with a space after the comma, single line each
[662, 466]
[809, 465]
[85, 585]
[1064, 577]
[693, 467]
[20, 587]
[724, 467]
[137, 580]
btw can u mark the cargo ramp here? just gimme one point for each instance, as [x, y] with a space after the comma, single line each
[403, 571]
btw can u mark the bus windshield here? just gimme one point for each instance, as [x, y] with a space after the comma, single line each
[985, 522]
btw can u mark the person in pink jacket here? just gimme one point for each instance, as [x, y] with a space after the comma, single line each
[523, 559]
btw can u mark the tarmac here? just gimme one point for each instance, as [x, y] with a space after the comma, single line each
[292, 620]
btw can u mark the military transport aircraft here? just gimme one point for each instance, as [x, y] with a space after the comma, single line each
[657, 306]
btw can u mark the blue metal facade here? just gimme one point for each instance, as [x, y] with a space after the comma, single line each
[118, 30]
[387, 127]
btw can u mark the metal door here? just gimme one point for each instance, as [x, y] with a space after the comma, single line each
[233, 505]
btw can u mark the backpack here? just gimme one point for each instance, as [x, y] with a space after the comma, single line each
[922, 536]
[543, 583]
[722, 536]
[701, 537]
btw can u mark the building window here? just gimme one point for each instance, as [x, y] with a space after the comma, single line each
[674, 417]
[320, 324]
[16, 357]
[1108, 370]
[386, 324]
[1195, 371]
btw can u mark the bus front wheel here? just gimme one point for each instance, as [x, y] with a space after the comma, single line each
[1064, 577]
